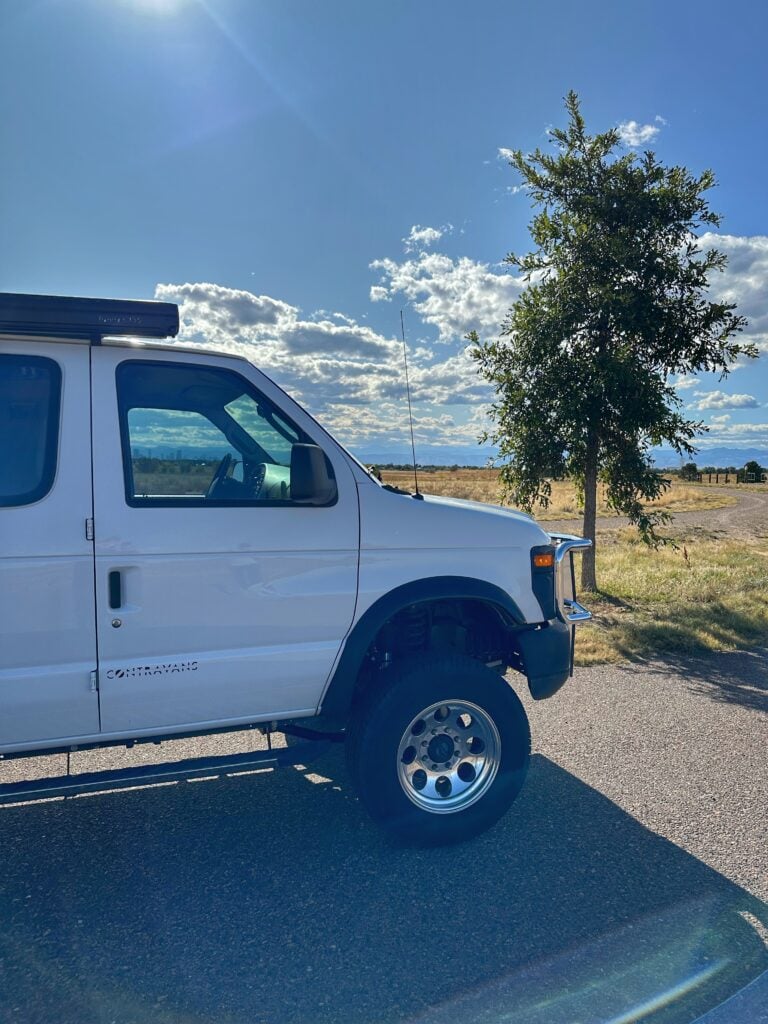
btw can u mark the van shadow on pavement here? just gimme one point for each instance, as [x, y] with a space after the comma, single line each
[272, 898]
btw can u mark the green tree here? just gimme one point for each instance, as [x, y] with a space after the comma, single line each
[616, 303]
[754, 467]
[689, 471]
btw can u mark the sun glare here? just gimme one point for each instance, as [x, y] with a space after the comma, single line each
[160, 7]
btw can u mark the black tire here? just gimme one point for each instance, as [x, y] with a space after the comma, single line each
[381, 722]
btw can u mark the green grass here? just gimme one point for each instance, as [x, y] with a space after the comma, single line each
[709, 594]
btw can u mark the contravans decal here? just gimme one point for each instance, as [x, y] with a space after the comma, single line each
[163, 669]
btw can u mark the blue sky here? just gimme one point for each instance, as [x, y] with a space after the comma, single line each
[296, 172]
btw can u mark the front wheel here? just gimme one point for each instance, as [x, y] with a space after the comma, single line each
[438, 749]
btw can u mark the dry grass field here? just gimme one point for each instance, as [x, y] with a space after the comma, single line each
[483, 485]
[187, 477]
[171, 481]
[707, 593]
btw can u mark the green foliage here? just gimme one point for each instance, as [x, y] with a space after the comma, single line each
[689, 471]
[754, 467]
[616, 304]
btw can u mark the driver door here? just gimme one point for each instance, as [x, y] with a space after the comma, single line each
[219, 600]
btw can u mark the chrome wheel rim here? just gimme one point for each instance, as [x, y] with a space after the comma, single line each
[448, 756]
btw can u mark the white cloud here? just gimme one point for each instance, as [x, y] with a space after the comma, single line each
[682, 383]
[350, 375]
[745, 279]
[738, 433]
[455, 296]
[721, 400]
[632, 133]
[505, 154]
[749, 430]
[225, 307]
[451, 381]
[324, 336]
[227, 316]
[322, 358]
[344, 372]
[419, 237]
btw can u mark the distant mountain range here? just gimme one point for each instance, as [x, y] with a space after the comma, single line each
[665, 458]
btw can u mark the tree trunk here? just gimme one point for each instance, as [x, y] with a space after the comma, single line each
[588, 578]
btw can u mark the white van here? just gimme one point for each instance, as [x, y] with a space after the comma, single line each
[183, 550]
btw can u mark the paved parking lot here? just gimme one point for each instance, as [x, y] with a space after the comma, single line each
[630, 873]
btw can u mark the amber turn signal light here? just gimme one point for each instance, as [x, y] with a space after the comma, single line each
[544, 559]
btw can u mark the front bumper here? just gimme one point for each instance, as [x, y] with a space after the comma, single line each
[547, 652]
[565, 577]
[546, 655]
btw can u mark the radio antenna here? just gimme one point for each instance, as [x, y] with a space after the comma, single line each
[410, 413]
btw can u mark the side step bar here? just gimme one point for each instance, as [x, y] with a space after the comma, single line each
[171, 771]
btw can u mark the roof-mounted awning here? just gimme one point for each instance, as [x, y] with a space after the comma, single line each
[59, 316]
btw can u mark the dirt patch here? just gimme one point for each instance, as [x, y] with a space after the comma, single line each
[747, 518]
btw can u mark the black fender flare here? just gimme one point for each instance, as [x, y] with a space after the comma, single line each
[337, 698]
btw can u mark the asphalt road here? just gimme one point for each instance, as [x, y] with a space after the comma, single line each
[629, 876]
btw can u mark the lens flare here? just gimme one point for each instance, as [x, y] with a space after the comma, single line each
[158, 7]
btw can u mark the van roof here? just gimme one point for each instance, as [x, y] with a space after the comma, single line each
[137, 344]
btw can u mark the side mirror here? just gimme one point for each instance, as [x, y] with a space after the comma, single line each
[311, 480]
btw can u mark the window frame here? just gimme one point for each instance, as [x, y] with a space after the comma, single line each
[52, 434]
[202, 502]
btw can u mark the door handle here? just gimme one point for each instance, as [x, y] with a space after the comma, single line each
[115, 589]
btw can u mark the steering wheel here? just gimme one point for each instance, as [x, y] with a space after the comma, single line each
[220, 474]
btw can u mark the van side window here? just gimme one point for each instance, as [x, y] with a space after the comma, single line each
[197, 436]
[30, 400]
